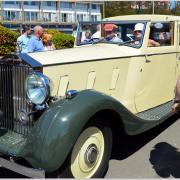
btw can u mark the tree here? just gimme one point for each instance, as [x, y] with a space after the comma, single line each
[118, 8]
[140, 7]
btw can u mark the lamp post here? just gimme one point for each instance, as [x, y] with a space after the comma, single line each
[152, 6]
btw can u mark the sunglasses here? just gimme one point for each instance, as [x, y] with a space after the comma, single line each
[138, 31]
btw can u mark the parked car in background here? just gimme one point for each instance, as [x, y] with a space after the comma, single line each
[76, 101]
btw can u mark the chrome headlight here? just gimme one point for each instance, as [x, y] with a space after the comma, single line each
[37, 88]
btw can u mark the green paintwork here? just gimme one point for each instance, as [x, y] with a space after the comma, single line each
[54, 134]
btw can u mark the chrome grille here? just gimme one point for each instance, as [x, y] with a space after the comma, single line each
[13, 96]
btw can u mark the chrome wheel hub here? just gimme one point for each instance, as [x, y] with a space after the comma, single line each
[91, 154]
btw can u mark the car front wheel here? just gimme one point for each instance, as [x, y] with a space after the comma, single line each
[90, 154]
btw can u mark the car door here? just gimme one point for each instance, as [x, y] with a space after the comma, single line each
[157, 74]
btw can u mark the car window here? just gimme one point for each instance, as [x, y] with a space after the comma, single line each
[125, 33]
[161, 34]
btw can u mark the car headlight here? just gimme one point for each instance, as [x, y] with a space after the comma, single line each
[37, 88]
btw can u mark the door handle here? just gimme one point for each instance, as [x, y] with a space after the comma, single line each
[147, 60]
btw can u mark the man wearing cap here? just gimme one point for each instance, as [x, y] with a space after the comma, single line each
[138, 30]
[113, 35]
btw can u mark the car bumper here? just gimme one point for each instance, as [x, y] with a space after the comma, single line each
[29, 172]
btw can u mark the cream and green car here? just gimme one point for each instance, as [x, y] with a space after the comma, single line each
[61, 110]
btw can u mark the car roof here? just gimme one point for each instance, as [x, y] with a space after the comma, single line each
[146, 17]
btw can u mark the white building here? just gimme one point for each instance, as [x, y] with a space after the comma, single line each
[59, 14]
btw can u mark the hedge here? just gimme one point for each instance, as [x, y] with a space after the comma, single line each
[61, 40]
[8, 40]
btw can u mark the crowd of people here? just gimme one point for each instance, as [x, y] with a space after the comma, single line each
[37, 41]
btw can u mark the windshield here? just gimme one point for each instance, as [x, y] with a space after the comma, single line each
[122, 33]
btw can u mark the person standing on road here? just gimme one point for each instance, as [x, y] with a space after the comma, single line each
[176, 102]
[23, 40]
[47, 42]
[35, 43]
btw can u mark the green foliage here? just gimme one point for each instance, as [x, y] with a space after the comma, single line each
[61, 40]
[7, 41]
[118, 8]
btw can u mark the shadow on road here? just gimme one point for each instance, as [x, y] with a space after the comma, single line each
[165, 160]
[127, 145]
[5, 173]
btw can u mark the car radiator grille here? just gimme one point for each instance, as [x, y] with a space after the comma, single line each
[13, 97]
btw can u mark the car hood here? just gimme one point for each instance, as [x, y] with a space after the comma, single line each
[83, 53]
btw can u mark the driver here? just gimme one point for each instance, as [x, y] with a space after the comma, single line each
[138, 33]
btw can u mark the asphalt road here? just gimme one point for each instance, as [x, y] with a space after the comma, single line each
[153, 154]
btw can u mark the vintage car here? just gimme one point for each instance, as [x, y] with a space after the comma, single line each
[61, 110]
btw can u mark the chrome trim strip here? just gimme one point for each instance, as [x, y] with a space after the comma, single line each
[29, 172]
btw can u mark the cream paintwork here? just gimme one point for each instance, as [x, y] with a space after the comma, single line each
[86, 53]
[139, 86]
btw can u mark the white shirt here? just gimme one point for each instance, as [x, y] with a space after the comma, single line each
[96, 35]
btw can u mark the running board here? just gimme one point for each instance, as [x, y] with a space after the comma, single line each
[156, 113]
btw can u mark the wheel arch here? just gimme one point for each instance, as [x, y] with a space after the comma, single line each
[112, 118]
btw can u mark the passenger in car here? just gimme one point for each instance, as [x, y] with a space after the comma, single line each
[138, 30]
[87, 37]
[113, 35]
[97, 34]
[152, 43]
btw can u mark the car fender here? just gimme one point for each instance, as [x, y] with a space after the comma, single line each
[59, 127]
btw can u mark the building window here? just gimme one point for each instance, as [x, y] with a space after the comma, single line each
[47, 16]
[81, 6]
[30, 16]
[80, 17]
[67, 5]
[34, 3]
[26, 3]
[49, 3]
[94, 6]
[34, 16]
[64, 17]
[9, 2]
[93, 18]
[27, 16]
[11, 15]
